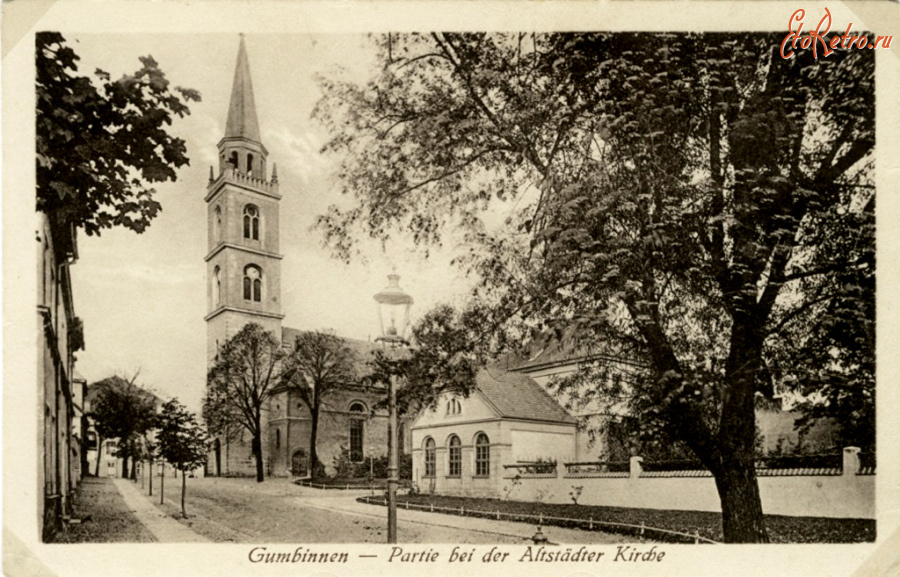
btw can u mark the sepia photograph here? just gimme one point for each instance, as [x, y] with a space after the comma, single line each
[358, 296]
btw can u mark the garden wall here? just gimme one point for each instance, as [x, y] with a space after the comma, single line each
[845, 492]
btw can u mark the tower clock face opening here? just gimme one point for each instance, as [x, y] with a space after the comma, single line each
[252, 273]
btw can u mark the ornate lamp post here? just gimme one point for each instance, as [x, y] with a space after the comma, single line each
[393, 316]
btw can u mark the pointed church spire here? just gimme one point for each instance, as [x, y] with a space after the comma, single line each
[242, 121]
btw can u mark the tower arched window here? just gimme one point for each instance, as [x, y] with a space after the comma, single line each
[482, 455]
[217, 224]
[429, 457]
[251, 222]
[252, 283]
[277, 439]
[454, 455]
[234, 159]
[217, 286]
[249, 164]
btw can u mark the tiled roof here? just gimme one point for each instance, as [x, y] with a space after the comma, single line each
[363, 349]
[518, 396]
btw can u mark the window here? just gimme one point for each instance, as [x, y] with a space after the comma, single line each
[455, 454]
[429, 457]
[252, 283]
[454, 407]
[482, 455]
[277, 439]
[251, 222]
[357, 429]
[234, 159]
[217, 285]
[250, 164]
[217, 223]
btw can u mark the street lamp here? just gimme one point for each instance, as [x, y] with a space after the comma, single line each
[393, 316]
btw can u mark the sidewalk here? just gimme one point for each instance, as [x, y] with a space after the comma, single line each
[321, 499]
[164, 528]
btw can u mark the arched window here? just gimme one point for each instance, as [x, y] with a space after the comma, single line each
[252, 283]
[249, 164]
[234, 159]
[455, 457]
[217, 224]
[482, 456]
[429, 457]
[217, 285]
[357, 432]
[251, 222]
[277, 439]
[454, 407]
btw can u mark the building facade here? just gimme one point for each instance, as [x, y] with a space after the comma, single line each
[463, 445]
[243, 265]
[60, 336]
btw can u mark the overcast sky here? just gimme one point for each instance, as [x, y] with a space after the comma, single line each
[143, 297]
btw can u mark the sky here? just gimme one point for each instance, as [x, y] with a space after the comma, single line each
[143, 296]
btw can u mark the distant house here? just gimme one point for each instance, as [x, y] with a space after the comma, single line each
[774, 417]
[461, 445]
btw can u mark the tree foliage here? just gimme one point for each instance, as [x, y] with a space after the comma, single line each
[101, 141]
[181, 441]
[120, 409]
[448, 348]
[246, 373]
[319, 365]
[692, 200]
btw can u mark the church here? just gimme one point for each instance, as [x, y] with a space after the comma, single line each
[243, 268]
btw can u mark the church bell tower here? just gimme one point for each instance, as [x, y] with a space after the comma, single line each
[243, 265]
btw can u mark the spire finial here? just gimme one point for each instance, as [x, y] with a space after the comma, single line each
[242, 121]
[274, 172]
[211, 173]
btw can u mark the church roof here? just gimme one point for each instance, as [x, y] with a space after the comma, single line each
[363, 349]
[242, 121]
[518, 396]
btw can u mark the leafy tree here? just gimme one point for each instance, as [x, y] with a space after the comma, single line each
[121, 410]
[320, 364]
[100, 141]
[448, 348]
[685, 199]
[181, 441]
[247, 372]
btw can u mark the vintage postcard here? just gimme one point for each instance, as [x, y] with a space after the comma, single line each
[336, 288]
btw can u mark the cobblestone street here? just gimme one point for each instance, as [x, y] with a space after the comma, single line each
[242, 511]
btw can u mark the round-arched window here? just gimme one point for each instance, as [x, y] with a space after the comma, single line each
[429, 457]
[454, 455]
[252, 283]
[251, 222]
[482, 455]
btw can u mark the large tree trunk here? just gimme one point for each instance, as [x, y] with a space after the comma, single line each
[257, 453]
[734, 462]
[742, 515]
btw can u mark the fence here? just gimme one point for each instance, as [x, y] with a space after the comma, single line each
[837, 486]
[590, 524]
